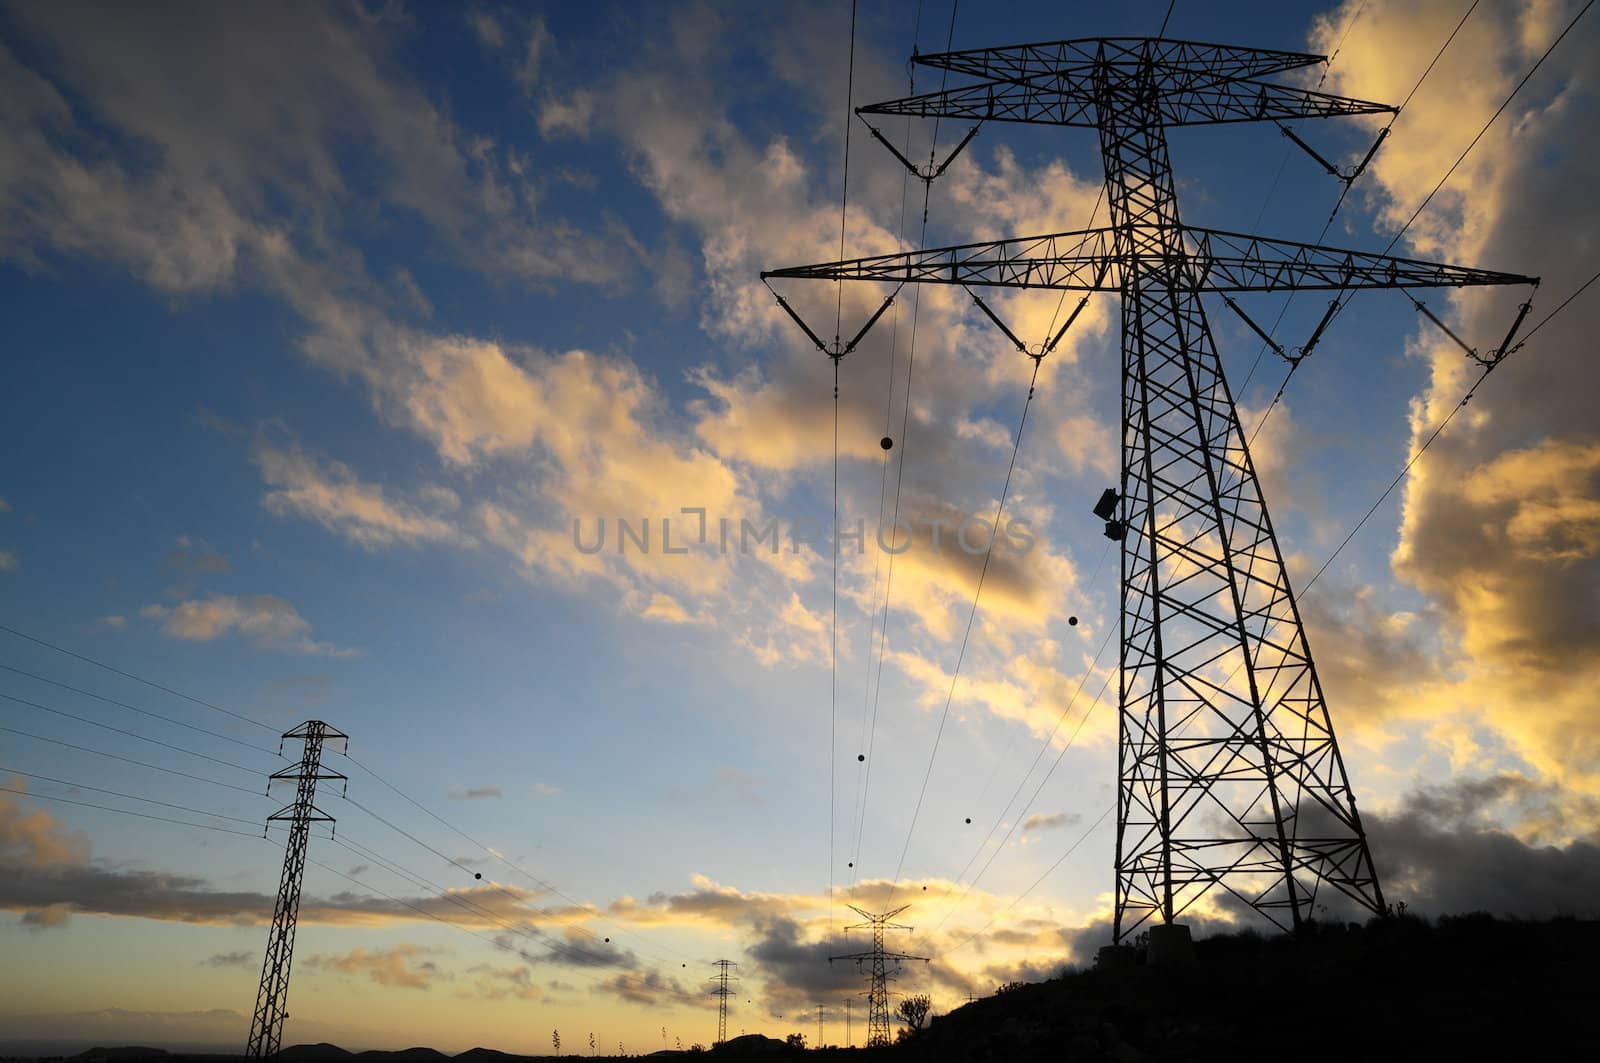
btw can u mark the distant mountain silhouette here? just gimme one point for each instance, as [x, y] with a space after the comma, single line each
[312, 1052]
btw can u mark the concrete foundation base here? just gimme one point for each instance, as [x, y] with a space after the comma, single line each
[1170, 946]
[1116, 958]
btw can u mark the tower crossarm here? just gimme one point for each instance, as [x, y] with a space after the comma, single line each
[1021, 61]
[1064, 84]
[1213, 261]
[1188, 100]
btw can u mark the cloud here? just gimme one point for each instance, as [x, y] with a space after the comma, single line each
[570, 117]
[476, 793]
[267, 620]
[187, 557]
[1441, 853]
[8, 561]
[650, 989]
[396, 967]
[33, 838]
[229, 959]
[240, 180]
[541, 789]
[1051, 821]
[497, 983]
[1499, 530]
[490, 33]
[115, 622]
[332, 495]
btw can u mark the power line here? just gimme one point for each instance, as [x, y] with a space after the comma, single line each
[833, 625]
[129, 734]
[1044, 746]
[130, 797]
[541, 883]
[1492, 119]
[972, 615]
[460, 866]
[137, 679]
[1289, 299]
[129, 812]
[1036, 884]
[134, 708]
[128, 760]
[876, 683]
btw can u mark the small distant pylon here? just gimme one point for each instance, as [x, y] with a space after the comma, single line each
[879, 973]
[722, 992]
[266, 1024]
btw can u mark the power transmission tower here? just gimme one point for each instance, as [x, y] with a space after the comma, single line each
[722, 992]
[849, 1035]
[819, 1025]
[1229, 775]
[877, 961]
[266, 1024]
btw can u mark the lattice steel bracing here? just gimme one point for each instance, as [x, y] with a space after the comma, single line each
[272, 998]
[1229, 774]
[722, 992]
[876, 961]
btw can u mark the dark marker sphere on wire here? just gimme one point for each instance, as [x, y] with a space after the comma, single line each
[1072, 620]
[886, 443]
[478, 874]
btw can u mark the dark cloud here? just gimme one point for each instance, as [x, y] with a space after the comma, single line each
[650, 989]
[229, 959]
[93, 889]
[1438, 856]
[574, 948]
[796, 971]
[476, 793]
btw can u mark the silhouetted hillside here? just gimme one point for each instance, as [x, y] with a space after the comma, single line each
[1467, 987]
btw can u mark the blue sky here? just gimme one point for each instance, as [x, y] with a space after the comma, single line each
[324, 324]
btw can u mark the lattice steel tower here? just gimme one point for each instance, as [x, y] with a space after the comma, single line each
[1229, 774]
[877, 962]
[266, 1025]
[721, 991]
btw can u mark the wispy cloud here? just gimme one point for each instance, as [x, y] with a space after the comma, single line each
[265, 619]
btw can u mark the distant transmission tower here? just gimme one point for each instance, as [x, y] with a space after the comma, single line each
[1229, 775]
[876, 962]
[722, 992]
[266, 1025]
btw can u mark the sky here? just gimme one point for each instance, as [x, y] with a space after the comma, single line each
[335, 334]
